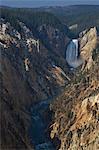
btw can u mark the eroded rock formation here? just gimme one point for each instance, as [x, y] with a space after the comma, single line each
[79, 51]
[88, 42]
[76, 112]
[27, 77]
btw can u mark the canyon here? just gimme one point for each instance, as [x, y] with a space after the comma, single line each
[49, 85]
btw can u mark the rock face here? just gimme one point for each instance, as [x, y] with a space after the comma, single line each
[84, 133]
[32, 59]
[33, 69]
[76, 112]
[77, 54]
[55, 39]
[88, 41]
[29, 74]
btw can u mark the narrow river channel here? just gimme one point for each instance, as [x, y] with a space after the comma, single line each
[39, 127]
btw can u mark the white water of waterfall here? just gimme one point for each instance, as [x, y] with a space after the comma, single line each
[72, 53]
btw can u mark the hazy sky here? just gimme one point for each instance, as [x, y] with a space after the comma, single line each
[39, 3]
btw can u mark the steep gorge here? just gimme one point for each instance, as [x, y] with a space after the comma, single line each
[32, 77]
[28, 76]
[76, 110]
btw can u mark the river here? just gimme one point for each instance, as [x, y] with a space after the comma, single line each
[39, 127]
[39, 136]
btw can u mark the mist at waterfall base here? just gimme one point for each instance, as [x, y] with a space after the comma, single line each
[41, 3]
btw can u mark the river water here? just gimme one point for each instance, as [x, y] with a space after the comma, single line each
[39, 136]
[39, 127]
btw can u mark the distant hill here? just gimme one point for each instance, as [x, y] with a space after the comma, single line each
[85, 16]
[36, 18]
[46, 3]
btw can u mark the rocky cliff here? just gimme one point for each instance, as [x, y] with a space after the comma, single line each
[88, 42]
[33, 69]
[79, 51]
[29, 73]
[76, 111]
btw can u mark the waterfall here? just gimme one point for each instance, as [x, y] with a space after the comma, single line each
[72, 53]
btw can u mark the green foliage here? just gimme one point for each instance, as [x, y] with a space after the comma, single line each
[85, 16]
[33, 19]
[58, 17]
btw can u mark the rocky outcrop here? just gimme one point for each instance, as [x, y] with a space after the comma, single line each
[34, 42]
[88, 42]
[76, 112]
[83, 134]
[54, 38]
[30, 56]
[28, 76]
[82, 54]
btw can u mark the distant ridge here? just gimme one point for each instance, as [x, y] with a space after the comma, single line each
[44, 3]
